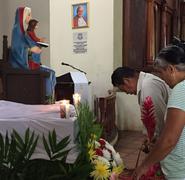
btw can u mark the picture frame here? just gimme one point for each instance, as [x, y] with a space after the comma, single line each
[80, 15]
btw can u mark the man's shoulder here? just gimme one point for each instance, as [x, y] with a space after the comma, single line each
[154, 86]
[153, 81]
[149, 77]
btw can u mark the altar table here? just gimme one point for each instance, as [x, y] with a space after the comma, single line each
[41, 119]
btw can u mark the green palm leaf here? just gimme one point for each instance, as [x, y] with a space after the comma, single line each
[30, 141]
[1, 148]
[32, 149]
[27, 137]
[46, 146]
[62, 144]
[7, 144]
[18, 139]
[60, 155]
[54, 137]
[52, 141]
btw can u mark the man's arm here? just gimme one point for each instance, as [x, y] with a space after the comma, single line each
[173, 128]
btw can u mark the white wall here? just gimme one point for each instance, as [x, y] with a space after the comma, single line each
[128, 112]
[98, 61]
[40, 11]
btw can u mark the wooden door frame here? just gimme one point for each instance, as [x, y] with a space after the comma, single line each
[165, 8]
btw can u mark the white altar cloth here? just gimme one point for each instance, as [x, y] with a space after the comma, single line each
[41, 119]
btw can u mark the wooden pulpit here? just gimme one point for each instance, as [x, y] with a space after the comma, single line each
[70, 83]
[64, 88]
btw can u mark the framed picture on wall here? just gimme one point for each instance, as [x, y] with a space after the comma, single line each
[80, 15]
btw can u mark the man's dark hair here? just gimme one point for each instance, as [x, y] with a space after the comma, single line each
[120, 73]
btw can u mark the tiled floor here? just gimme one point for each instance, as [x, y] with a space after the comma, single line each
[128, 145]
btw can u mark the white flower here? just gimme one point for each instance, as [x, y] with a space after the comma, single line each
[114, 164]
[106, 154]
[100, 158]
[97, 144]
[110, 147]
[117, 158]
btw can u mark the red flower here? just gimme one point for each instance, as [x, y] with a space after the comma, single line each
[153, 173]
[102, 143]
[148, 116]
[99, 152]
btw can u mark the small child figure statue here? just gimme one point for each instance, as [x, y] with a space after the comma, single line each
[34, 60]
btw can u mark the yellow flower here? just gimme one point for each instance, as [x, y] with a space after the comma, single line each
[90, 145]
[91, 141]
[92, 154]
[101, 171]
[118, 169]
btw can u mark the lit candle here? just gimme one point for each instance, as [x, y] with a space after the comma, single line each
[64, 108]
[76, 99]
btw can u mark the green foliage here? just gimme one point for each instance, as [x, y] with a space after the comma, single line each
[56, 168]
[72, 172]
[56, 150]
[40, 169]
[87, 126]
[15, 153]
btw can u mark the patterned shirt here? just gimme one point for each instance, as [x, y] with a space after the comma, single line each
[173, 165]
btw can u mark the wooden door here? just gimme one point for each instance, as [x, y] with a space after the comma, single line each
[182, 21]
[148, 26]
[134, 31]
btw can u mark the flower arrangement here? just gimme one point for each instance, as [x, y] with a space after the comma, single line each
[148, 116]
[149, 120]
[104, 159]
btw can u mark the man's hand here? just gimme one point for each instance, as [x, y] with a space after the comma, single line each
[145, 147]
[148, 145]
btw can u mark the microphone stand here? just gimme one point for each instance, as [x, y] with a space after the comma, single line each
[73, 67]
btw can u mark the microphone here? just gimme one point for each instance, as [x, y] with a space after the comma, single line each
[65, 64]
